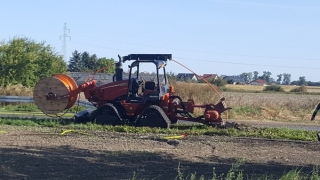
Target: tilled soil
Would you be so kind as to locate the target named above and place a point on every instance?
(41, 153)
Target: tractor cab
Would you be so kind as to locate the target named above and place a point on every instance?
(147, 77)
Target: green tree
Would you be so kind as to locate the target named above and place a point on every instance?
(173, 78)
(275, 88)
(266, 76)
(84, 62)
(218, 82)
(230, 81)
(246, 76)
(272, 81)
(286, 79)
(302, 81)
(255, 75)
(24, 61)
(300, 89)
(74, 62)
(106, 65)
(279, 78)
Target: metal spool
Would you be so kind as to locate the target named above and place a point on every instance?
(62, 86)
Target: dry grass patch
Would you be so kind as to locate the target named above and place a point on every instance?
(255, 106)
(313, 89)
(253, 88)
(199, 93)
(293, 107)
(239, 87)
(294, 102)
(15, 90)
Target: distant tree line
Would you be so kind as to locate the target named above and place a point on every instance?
(282, 79)
(218, 82)
(84, 62)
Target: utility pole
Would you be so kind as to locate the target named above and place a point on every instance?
(65, 35)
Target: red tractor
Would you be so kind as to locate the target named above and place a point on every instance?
(136, 101)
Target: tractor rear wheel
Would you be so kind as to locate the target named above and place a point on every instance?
(153, 116)
(107, 115)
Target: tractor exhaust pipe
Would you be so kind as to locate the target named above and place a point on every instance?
(119, 70)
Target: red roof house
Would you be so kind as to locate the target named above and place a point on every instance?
(209, 77)
(259, 82)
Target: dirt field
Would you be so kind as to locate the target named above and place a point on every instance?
(41, 153)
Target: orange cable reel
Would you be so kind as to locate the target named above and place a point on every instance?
(57, 93)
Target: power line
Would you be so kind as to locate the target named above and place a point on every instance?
(212, 61)
(247, 64)
(208, 42)
(64, 43)
(205, 52)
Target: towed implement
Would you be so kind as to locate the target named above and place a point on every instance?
(139, 100)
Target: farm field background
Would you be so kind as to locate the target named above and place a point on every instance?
(287, 88)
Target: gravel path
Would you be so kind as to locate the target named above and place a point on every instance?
(41, 153)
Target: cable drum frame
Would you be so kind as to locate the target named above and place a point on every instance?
(66, 85)
(62, 86)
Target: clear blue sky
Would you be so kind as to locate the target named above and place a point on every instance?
(208, 36)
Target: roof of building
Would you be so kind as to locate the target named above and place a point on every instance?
(260, 81)
(234, 78)
(209, 76)
(185, 75)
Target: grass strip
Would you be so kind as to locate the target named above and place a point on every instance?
(31, 113)
(177, 129)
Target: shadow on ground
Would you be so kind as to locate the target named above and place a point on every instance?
(68, 163)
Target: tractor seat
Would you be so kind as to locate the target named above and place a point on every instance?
(150, 85)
